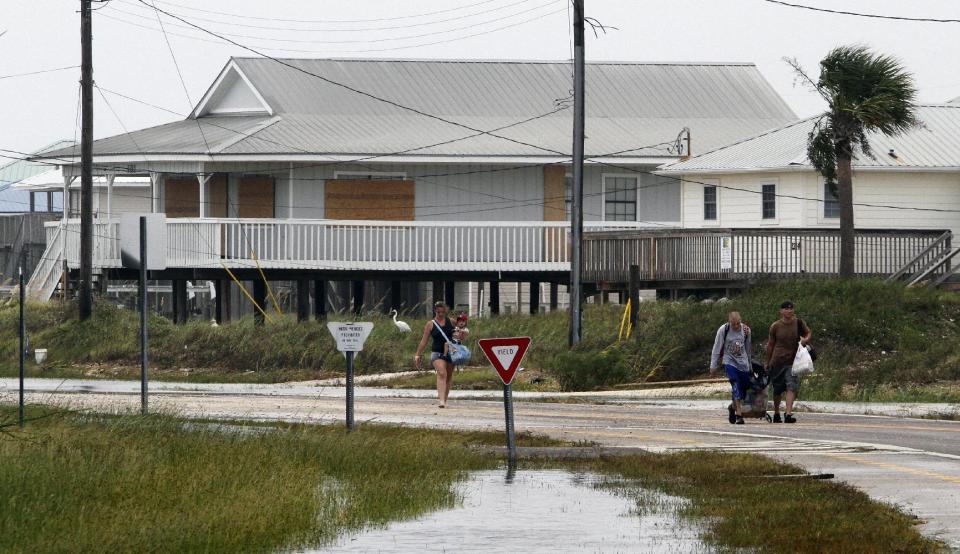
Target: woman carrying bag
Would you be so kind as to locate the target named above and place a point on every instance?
(439, 329)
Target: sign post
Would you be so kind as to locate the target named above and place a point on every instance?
(350, 338)
(505, 355)
(136, 254)
(23, 338)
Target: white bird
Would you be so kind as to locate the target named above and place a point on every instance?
(402, 325)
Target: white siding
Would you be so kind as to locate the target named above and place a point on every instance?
(739, 200)
(736, 208)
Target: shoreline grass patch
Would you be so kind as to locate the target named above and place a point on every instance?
(90, 483)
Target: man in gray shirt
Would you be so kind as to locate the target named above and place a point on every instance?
(732, 348)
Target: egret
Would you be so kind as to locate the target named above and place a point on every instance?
(402, 325)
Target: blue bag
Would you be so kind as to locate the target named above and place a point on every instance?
(459, 354)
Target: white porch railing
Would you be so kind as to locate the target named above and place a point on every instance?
(349, 245)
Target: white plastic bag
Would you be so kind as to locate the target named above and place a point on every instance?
(802, 362)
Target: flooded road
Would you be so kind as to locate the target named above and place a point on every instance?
(535, 511)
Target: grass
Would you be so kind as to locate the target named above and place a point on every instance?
(73, 482)
(877, 341)
(473, 379)
(755, 513)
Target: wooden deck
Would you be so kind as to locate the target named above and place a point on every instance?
(711, 258)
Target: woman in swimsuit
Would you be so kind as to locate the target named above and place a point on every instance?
(440, 361)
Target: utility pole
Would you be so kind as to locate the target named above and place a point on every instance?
(86, 161)
(576, 211)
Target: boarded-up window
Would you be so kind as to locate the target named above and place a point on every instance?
(255, 197)
(370, 199)
(218, 196)
(181, 197)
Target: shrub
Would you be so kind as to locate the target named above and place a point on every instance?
(582, 370)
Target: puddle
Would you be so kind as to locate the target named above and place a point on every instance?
(537, 511)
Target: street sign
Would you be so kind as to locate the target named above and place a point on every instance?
(130, 241)
(350, 336)
(505, 355)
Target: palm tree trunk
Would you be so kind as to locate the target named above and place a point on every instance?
(845, 196)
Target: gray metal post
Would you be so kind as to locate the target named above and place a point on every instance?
(23, 340)
(576, 215)
(143, 315)
(350, 356)
(508, 414)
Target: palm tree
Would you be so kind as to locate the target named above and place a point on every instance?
(865, 93)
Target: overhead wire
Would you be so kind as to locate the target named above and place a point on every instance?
(38, 72)
(860, 14)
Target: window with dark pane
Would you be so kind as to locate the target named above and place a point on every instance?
(769, 201)
(620, 199)
(710, 202)
(831, 204)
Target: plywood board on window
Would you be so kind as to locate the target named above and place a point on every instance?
(218, 196)
(554, 193)
(181, 197)
(256, 197)
(365, 199)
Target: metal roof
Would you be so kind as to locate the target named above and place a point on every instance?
(628, 105)
(935, 145)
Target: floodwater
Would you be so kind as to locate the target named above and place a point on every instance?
(538, 511)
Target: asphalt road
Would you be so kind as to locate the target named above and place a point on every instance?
(914, 463)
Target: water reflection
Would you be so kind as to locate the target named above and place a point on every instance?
(535, 511)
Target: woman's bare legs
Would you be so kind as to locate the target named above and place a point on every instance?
(450, 369)
(443, 382)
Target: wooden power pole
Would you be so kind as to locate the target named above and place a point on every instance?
(86, 161)
(576, 209)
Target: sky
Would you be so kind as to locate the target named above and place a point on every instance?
(132, 56)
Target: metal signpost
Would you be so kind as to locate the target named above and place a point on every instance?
(505, 355)
(134, 230)
(23, 340)
(350, 338)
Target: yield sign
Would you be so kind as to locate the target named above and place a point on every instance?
(505, 355)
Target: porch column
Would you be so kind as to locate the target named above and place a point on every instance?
(534, 297)
(260, 297)
(67, 181)
(319, 299)
(303, 300)
(358, 287)
(110, 178)
(494, 298)
(449, 294)
(155, 179)
(203, 179)
(554, 296)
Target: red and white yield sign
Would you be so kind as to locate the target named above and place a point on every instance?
(505, 355)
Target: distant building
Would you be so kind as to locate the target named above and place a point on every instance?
(424, 170)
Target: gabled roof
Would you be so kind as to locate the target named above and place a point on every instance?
(628, 105)
(933, 146)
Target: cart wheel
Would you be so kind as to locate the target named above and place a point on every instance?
(767, 417)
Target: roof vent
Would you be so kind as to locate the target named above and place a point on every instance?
(893, 154)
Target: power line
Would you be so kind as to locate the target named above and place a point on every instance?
(220, 21)
(868, 15)
(261, 47)
(395, 18)
(39, 72)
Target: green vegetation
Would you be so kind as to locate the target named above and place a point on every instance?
(760, 513)
(87, 483)
(876, 341)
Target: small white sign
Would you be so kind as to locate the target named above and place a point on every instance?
(156, 241)
(726, 253)
(350, 336)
